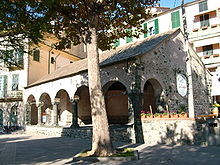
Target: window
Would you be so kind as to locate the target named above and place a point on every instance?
(36, 55)
(204, 20)
(208, 50)
(175, 19)
(117, 43)
(14, 56)
(203, 6)
(129, 39)
(150, 28)
(15, 82)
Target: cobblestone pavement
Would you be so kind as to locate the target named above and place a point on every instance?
(23, 149)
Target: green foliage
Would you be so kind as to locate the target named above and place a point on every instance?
(69, 20)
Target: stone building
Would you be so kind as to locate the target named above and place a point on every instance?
(203, 28)
(149, 74)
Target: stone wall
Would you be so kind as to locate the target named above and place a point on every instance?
(201, 85)
(13, 110)
(169, 131)
(155, 131)
(118, 133)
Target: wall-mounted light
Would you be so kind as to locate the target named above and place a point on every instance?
(76, 98)
(57, 100)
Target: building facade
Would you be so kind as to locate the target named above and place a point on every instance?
(32, 63)
(203, 28)
(143, 75)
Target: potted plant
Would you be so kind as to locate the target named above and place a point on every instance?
(183, 115)
(157, 115)
(182, 112)
(174, 114)
(142, 114)
(165, 115)
(149, 115)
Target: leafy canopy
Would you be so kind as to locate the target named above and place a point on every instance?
(69, 20)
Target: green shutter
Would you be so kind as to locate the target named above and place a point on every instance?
(203, 6)
(117, 43)
(175, 19)
(156, 26)
(15, 82)
(129, 39)
(1, 86)
(1, 118)
(36, 55)
(20, 56)
(5, 84)
(145, 29)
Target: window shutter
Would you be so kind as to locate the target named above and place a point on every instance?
(145, 29)
(15, 82)
(20, 56)
(36, 55)
(175, 19)
(1, 118)
(1, 86)
(203, 6)
(156, 26)
(5, 84)
(117, 43)
(129, 39)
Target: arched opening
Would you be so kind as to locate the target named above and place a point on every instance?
(152, 92)
(33, 110)
(116, 100)
(83, 105)
(64, 112)
(46, 108)
(1, 118)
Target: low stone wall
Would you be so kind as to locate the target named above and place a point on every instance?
(169, 131)
(41, 130)
(117, 132)
(155, 131)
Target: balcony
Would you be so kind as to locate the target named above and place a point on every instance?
(210, 31)
(211, 59)
(13, 95)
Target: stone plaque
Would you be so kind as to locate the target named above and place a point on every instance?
(181, 84)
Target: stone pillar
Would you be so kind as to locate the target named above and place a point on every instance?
(39, 106)
(74, 114)
(28, 114)
(55, 114)
(135, 101)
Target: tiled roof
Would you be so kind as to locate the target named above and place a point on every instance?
(119, 54)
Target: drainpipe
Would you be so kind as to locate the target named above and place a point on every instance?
(55, 61)
(49, 61)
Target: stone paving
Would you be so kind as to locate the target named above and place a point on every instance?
(24, 149)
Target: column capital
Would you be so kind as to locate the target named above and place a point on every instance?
(40, 104)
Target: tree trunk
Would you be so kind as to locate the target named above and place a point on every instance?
(101, 142)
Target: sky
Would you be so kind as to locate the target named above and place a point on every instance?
(172, 3)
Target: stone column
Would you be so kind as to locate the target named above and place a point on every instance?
(55, 114)
(134, 102)
(74, 114)
(39, 106)
(28, 114)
